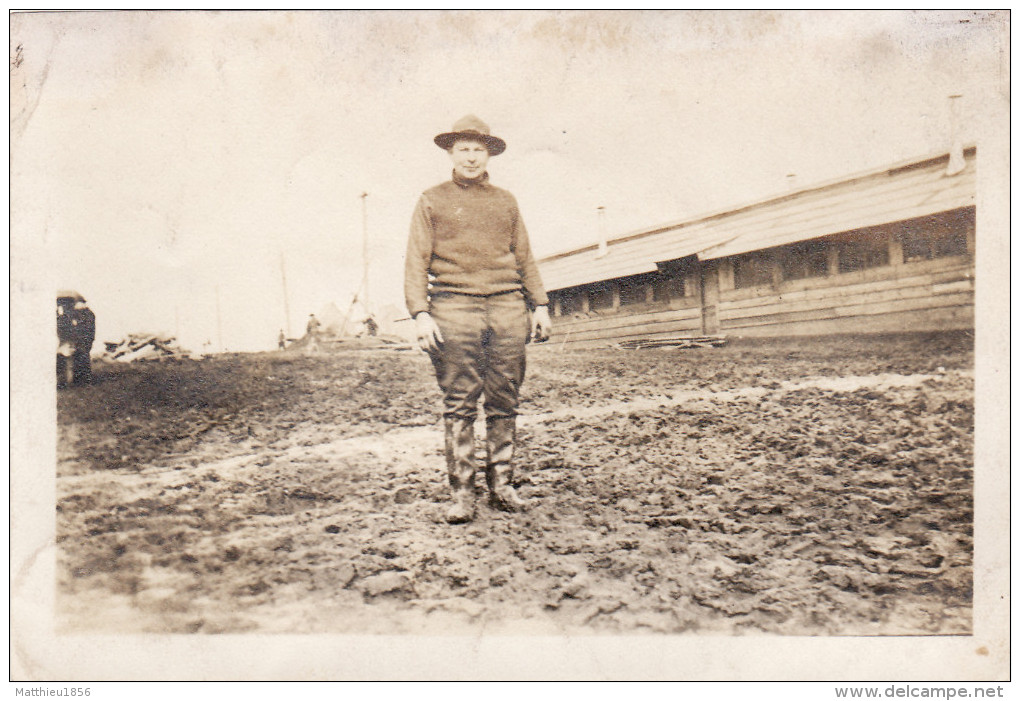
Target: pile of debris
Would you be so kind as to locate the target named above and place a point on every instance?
(144, 347)
(675, 342)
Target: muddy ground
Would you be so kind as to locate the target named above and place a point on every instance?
(812, 486)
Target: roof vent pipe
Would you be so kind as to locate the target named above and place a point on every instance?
(956, 160)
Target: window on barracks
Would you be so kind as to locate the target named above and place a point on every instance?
(570, 302)
(862, 250)
(752, 269)
(804, 260)
(937, 236)
(632, 293)
(668, 287)
(635, 290)
(600, 296)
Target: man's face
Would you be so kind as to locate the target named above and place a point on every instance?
(470, 159)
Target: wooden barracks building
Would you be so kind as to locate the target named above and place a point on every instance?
(887, 250)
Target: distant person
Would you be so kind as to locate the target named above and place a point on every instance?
(76, 333)
(84, 321)
(472, 317)
(312, 332)
(371, 327)
(282, 341)
(313, 325)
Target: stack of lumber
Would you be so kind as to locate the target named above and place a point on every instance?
(144, 347)
(370, 343)
(675, 342)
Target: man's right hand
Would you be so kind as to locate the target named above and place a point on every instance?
(429, 336)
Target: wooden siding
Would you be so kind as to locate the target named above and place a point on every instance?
(873, 199)
(925, 295)
(679, 317)
(936, 319)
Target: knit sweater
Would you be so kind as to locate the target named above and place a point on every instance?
(467, 237)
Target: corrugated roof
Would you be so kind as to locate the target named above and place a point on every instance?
(894, 193)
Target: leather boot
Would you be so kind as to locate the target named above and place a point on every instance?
(460, 465)
(500, 435)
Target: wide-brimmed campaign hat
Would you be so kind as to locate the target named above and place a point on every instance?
(471, 127)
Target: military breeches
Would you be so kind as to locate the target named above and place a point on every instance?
(483, 352)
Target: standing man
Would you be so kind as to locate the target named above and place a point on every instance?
(85, 324)
(371, 326)
(472, 316)
(312, 331)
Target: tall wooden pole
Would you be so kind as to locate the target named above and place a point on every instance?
(603, 237)
(286, 299)
(956, 160)
(364, 252)
(219, 324)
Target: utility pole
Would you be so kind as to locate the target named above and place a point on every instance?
(286, 300)
(364, 251)
(603, 240)
(219, 324)
(956, 159)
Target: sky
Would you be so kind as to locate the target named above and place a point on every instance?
(175, 167)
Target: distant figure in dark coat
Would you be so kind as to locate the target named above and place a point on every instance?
(76, 332)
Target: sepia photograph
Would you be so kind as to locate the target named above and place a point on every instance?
(508, 345)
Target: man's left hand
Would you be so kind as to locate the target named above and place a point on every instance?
(541, 325)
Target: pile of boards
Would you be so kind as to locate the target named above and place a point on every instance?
(675, 342)
(371, 343)
(144, 347)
